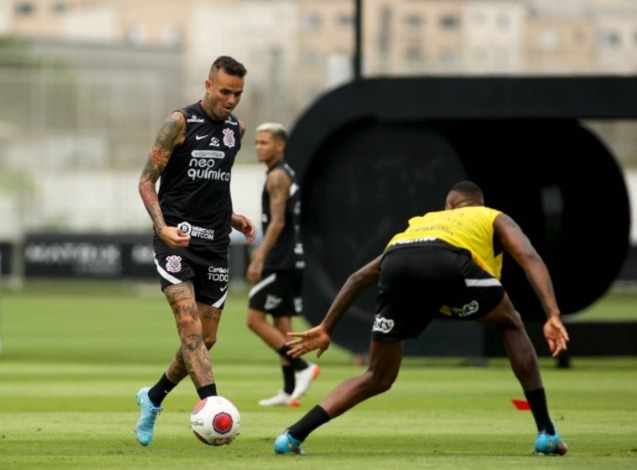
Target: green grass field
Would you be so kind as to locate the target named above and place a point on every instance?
(73, 357)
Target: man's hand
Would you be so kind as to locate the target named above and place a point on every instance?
(174, 237)
(309, 340)
(556, 335)
(254, 271)
(245, 226)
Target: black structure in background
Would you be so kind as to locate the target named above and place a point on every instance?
(375, 152)
(99, 256)
(88, 256)
(358, 39)
(7, 259)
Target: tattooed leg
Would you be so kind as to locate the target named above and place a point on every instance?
(192, 356)
(210, 317)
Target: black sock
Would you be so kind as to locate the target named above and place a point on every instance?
(298, 363)
(539, 408)
(308, 423)
(207, 391)
(289, 381)
(160, 390)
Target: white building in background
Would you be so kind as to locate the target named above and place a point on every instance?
(110, 70)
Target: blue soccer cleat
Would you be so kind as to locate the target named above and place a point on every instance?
(545, 444)
(147, 417)
(286, 444)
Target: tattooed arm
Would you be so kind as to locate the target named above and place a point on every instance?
(171, 134)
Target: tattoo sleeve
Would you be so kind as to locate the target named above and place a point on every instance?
(171, 134)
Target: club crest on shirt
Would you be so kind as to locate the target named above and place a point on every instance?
(173, 263)
(228, 138)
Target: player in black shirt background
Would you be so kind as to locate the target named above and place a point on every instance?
(277, 265)
(192, 216)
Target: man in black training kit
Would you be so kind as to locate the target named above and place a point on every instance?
(192, 217)
(446, 261)
(276, 268)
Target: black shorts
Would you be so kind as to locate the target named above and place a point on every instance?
(207, 270)
(419, 282)
(278, 293)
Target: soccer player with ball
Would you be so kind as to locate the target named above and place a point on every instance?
(446, 261)
(192, 217)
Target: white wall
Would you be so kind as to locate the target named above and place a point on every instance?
(103, 202)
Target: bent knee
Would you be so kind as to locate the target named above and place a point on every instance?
(503, 317)
(254, 320)
(379, 383)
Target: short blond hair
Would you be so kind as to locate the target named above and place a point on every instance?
(274, 128)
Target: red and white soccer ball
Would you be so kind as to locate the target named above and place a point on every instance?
(215, 421)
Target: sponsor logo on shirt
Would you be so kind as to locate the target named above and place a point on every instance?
(194, 118)
(202, 163)
(415, 240)
(196, 232)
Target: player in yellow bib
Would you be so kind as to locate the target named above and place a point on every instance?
(446, 261)
(466, 227)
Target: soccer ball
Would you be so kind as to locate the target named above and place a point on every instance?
(215, 421)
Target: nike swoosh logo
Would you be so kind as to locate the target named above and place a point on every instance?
(199, 137)
(223, 288)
